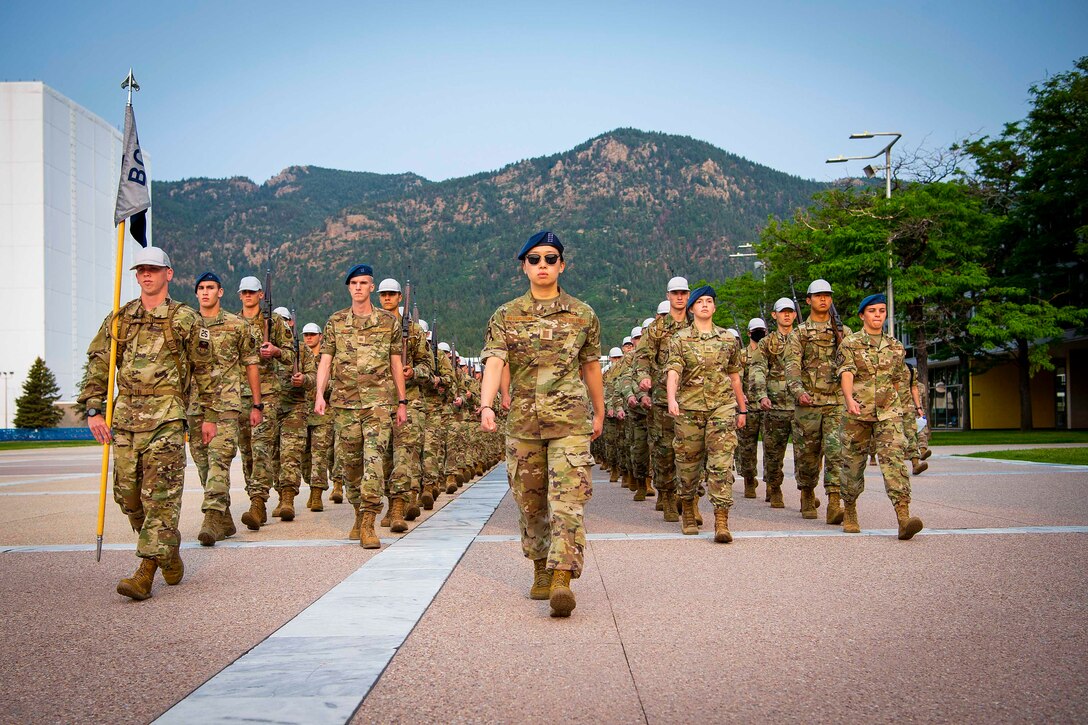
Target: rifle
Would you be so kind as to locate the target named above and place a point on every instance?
(294, 340)
(405, 320)
(434, 342)
(836, 324)
(268, 306)
(796, 304)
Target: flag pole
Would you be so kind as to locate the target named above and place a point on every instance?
(130, 85)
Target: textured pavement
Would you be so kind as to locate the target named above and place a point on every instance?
(965, 625)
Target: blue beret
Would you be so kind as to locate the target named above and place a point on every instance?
(358, 271)
(877, 299)
(544, 237)
(704, 291)
(207, 277)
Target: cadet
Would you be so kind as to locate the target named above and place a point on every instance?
(639, 405)
(260, 443)
(817, 422)
(612, 423)
(235, 347)
(872, 372)
(437, 464)
(551, 341)
(775, 399)
(296, 403)
(317, 454)
(912, 413)
(703, 391)
(649, 364)
(753, 378)
(160, 345)
(360, 354)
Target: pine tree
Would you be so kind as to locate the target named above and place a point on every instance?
(34, 408)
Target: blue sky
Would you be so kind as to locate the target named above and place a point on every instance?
(449, 89)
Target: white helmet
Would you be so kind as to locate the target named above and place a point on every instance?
(423, 324)
(636, 331)
(663, 308)
(677, 284)
(733, 331)
(818, 286)
(389, 285)
(756, 323)
(311, 328)
(647, 322)
(615, 352)
(444, 346)
(627, 340)
(783, 303)
(282, 312)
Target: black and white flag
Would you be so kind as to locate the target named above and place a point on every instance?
(133, 195)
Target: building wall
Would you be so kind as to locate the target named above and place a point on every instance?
(59, 165)
(995, 398)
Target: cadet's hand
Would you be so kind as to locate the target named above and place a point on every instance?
(435, 380)
(319, 404)
(632, 401)
(644, 385)
(268, 350)
(402, 415)
(805, 399)
(255, 417)
(598, 426)
(852, 406)
(674, 409)
(99, 429)
(297, 379)
(765, 404)
(208, 431)
(487, 420)
(506, 402)
(647, 403)
(409, 373)
(610, 413)
(621, 414)
(742, 418)
(458, 401)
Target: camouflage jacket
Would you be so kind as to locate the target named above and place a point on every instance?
(627, 384)
(162, 354)
(235, 346)
(313, 418)
(811, 363)
(879, 374)
(611, 399)
(440, 399)
(545, 343)
(754, 378)
(290, 394)
(419, 358)
(704, 361)
(271, 368)
(774, 349)
(362, 347)
(652, 351)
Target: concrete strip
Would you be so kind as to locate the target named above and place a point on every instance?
(318, 667)
(46, 479)
(1071, 467)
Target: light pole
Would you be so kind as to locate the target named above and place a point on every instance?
(758, 265)
(870, 171)
(5, 375)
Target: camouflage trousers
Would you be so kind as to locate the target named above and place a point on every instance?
(317, 455)
(887, 439)
(613, 444)
(662, 433)
(403, 460)
(361, 439)
(213, 460)
(148, 476)
(260, 447)
(704, 442)
(551, 483)
(916, 440)
(293, 417)
(776, 432)
(817, 438)
(746, 455)
(435, 442)
(636, 429)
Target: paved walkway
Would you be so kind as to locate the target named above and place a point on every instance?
(980, 617)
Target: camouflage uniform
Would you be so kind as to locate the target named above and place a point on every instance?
(158, 352)
(811, 361)
(404, 461)
(363, 393)
(438, 413)
(296, 404)
(779, 419)
(706, 431)
(235, 347)
(636, 423)
(877, 364)
(317, 454)
(260, 445)
(649, 362)
(754, 379)
(545, 343)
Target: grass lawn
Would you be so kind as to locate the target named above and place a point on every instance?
(1069, 456)
(985, 437)
(20, 445)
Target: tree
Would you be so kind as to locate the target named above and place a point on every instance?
(34, 408)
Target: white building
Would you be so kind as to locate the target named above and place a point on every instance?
(59, 166)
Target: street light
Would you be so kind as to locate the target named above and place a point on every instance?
(870, 172)
(5, 375)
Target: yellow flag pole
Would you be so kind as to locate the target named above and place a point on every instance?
(109, 387)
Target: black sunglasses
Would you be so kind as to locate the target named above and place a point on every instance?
(534, 259)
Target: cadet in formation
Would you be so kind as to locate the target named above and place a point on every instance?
(551, 343)
(753, 379)
(775, 400)
(297, 384)
(317, 453)
(162, 345)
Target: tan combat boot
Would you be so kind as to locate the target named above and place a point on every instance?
(354, 533)
(427, 499)
(451, 484)
(776, 497)
(255, 517)
(396, 516)
(315, 503)
(671, 515)
(278, 510)
(411, 510)
(173, 569)
(640, 489)
(850, 519)
(834, 508)
(908, 525)
(918, 466)
(613, 475)
(367, 538)
(138, 586)
(337, 495)
(209, 528)
(650, 490)
(926, 453)
(542, 580)
(226, 525)
(808, 504)
(560, 595)
(287, 506)
(688, 525)
(766, 492)
(388, 518)
(721, 525)
(695, 509)
(749, 487)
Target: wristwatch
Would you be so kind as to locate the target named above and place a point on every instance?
(92, 412)
(258, 406)
(403, 402)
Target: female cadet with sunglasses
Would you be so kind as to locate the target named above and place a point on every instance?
(551, 343)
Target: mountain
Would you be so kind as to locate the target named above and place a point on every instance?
(632, 207)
